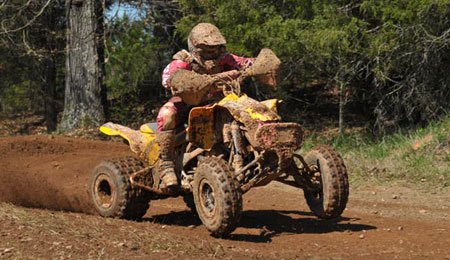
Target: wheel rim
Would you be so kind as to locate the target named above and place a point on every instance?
(104, 192)
(207, 199)
(317, 194)
(317, 180)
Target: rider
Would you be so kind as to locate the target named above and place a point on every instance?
(207, 55)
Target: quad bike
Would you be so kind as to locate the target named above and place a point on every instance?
(227, 148)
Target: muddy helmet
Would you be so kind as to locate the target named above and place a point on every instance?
(205, 34)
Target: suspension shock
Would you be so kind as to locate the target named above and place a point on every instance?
(238, 145)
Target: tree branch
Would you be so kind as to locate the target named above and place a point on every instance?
(29, 22)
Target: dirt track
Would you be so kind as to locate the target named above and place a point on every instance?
(46, 172)
(52, 173)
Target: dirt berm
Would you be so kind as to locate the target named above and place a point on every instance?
(51, 172)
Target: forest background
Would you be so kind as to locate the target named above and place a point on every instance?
(369, 76)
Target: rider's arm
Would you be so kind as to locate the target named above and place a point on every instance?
(171, 68)
(233, 64)
(269, 77)
(227, 75)
(231, 61)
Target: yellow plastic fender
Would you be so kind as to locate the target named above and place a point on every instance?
(142, 142)
(244, 109)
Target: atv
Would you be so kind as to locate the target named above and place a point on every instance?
(227, 148)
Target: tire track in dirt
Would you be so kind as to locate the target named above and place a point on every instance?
(277, 223)
(52, 173)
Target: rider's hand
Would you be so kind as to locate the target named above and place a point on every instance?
(227, 75)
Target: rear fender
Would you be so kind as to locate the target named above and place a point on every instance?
(142, 141)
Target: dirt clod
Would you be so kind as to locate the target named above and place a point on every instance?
(8, 250)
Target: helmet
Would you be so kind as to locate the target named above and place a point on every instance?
(205, 34)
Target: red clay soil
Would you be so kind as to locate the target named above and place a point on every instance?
(52, 173)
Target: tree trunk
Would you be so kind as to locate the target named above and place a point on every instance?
(51, 21)
(49, 90)
(83, 101)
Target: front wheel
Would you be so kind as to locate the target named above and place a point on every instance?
(330, 198)
(217, 198)
(112, 193)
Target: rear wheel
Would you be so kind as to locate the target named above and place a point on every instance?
(111, 191)
(217, 198)
(330, 199)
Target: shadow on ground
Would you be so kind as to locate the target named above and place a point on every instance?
(270, 223)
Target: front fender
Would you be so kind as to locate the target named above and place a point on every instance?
(248, 111)
(243, 109)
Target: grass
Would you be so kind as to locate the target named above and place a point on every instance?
(420, 157)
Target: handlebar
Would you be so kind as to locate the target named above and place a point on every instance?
(229, 82)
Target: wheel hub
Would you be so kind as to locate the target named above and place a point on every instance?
(207, 198)
(103, 191)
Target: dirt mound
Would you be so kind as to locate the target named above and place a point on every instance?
(53, 173)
